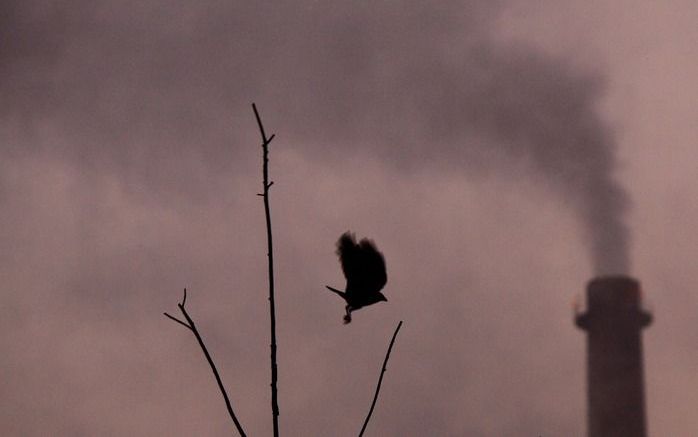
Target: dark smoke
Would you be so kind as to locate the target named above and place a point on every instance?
(131, 89)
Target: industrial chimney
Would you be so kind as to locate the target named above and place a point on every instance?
(613, 319)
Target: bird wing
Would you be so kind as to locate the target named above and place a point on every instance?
(373, 266)
(363, 265)
(347, 250)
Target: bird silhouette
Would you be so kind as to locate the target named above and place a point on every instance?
(364, 268)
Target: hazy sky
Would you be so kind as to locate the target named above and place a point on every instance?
(500, 154)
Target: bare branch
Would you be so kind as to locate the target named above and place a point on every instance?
(380, 380)
(177, 320)
(192, 327)
(268, 140)
(265, 140)
(270, 254)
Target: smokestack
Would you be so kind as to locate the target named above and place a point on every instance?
(613, 320)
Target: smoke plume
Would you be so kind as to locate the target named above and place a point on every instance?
(414, 85)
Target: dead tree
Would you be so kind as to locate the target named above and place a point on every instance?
(189, 323)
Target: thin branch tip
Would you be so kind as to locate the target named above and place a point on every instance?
(178, 321)
(380, 379)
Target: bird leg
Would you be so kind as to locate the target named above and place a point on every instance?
(347, 317)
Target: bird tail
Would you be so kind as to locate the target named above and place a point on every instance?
(340, 293)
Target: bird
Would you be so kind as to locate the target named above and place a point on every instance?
(364, 268)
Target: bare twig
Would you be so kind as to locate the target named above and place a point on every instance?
(177, 320)
(190, 324)
(266, 185)
(380, 380)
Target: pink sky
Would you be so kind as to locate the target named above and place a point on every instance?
(466, 138)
